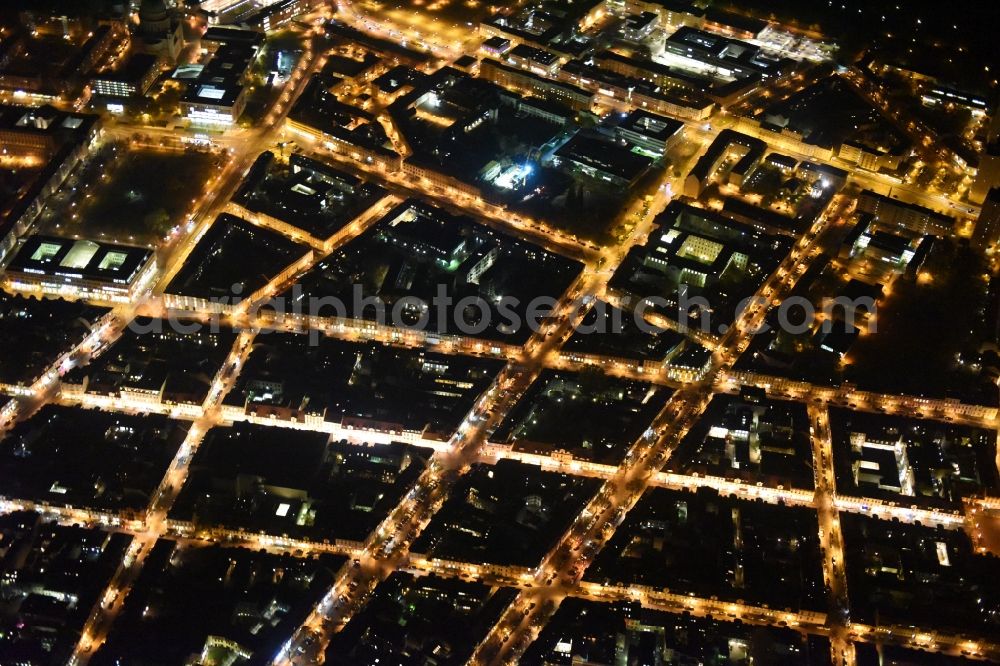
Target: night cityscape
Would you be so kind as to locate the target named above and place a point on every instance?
(469, 332)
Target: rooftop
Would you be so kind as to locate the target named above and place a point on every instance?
(651, 125)
(81, 259)
(896, 203)
(35, 332)
(223, 603)
(755, 149)
(47, 120)
(507, 513)
(244, 477)
(134, 70)
(531, 53)
(733, 20)
(604, 156)
(84, 458)
(229, 35)
(215, 267)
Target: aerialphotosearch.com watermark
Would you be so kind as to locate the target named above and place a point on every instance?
(473, 315)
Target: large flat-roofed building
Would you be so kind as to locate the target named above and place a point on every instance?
(496, 46)
(869, 157)
(538, 61)
(699, 247)
(784, 163)
(225, 35)
(233, 11)
(867, 242)
(214, 104)
(828, 177)
(650, 132)
(57, 138)
(572, 96)
(640, 26)
(987, 233)
(42, 131)
(892, 212)
(751, 151)
(938, 95)
(625, 92)
(133, 79)
(729, 57)
(351, 69)
(81, 269)
(537, 107)
(545, 25)
(280, 13)
(677, 80)
(889, 248)
(673, 78)
(217, 95)
(988, 174)
(695, 259)
(602, 159)
(733, 25)
(673, 13)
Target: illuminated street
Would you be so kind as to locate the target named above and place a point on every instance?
(686, 167)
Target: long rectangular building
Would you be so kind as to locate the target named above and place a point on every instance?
(602, 159)
(81, 269)
(572, 96)
(59, 138)
(218, 95)
(611, 89)
(677, 80)
(651, 132)
(731, 57)
(42, 131)
(753, 150)
(893, 212)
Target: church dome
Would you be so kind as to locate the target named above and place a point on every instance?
(152, 11)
